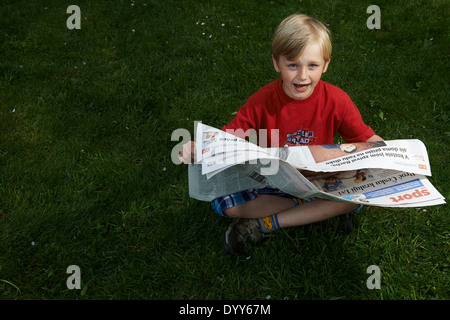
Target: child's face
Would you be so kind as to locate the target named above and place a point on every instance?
(301, 75)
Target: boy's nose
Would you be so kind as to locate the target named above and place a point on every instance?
(303, 74)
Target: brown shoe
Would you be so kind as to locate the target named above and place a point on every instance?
(239, 232)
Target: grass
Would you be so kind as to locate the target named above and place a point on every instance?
(86, 176)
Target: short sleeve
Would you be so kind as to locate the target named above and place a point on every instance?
(353, 128)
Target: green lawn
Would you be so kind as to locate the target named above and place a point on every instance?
(86, 176)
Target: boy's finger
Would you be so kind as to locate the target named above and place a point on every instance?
(185, 154)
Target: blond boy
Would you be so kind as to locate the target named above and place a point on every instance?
(304, 110)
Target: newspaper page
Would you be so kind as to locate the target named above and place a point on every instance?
(225, 182)
(404, 155)
(219, 150)
(386, 173)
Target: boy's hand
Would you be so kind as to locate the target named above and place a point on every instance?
(187, 153)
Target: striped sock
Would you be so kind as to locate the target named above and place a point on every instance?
(268, 224)
(299, 201)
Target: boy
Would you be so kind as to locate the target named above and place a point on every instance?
(299, 105)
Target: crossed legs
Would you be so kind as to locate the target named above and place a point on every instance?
(288, 214)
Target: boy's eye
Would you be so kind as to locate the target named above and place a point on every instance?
(292, 66)
(313, 65)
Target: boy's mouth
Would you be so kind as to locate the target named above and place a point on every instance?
(301, 87)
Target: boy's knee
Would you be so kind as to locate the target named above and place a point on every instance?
(233, 212)
(344, 208)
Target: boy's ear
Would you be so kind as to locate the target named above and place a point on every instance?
(275, 64)
(326, 65)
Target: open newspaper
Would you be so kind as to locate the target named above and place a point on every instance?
(384, 173)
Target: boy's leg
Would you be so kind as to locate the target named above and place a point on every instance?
(262, 206)
(313, 211)
(288, 214)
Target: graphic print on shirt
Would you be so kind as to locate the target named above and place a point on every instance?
(299, 138)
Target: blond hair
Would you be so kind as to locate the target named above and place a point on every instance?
(297, 31)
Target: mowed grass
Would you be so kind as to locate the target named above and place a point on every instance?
(86, 177)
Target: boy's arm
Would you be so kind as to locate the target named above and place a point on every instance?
(374, 138)
(307, 173)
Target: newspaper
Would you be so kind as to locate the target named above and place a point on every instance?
(384, 173)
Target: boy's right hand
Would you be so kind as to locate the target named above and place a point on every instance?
(187, 153)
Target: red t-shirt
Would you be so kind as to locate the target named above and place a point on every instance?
(314, 120)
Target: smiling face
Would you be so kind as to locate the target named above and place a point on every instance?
(301, 75)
